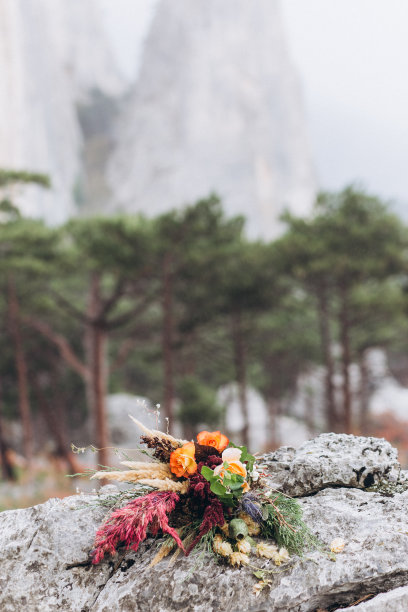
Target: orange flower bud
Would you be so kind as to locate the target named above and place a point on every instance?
(213, 438)
(182, 460)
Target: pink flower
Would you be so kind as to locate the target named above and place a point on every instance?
(128, 526)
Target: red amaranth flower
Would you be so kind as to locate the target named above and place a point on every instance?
(199, 487)
(213, 515)
(128, 526)
(212, 461)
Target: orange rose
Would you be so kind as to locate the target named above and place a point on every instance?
(182, 460)
(213, 438)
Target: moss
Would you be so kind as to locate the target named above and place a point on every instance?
(390, 488)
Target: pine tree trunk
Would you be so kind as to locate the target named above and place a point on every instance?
(91, 312)
(7, 471)
(345, 358)
(240, 372)
(99, 375)
(167, 341)
(325, 339)
(188, 364)
(55, 427)
(364, 395)
(21, 367)
(99, 389)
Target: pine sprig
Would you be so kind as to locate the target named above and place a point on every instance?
(112, 501)
(285, 524)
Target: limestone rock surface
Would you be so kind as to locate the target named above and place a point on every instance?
(44, 566)
(331, 460)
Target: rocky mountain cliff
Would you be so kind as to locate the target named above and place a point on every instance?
(44, 550)
(217, 107)
(54, 60)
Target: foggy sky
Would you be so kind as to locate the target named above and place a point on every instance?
(352, 58)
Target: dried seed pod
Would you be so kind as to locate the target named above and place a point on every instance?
(268, 551)
(225, 529)
(162, 448)
(238, 529)
(254, 528)
(244, 546)
(237, 559)
(222, 548)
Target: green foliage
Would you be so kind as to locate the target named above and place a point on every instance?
(365, 239)
(378, 316)
(285, 524)
(110, 244)
(351, 237)
(228, 489)
(27, 247)
(345, 258)
(8, 211)
(198, 403)
(111, 501)
(284, 345)
(11, 177)
(353, 249)
(246, 456)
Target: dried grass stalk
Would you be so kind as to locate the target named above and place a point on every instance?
(155, 433)
(186, 541)
(149, 470)
(166, 484)
(174, 557)
(141, 465)
(164, 550)
(121, 476)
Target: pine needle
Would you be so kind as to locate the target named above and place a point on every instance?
(286, 526)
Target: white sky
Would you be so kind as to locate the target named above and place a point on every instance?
(352, 58)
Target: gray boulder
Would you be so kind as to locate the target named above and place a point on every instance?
(44, 564)
(331, 460)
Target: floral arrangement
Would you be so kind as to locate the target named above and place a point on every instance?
(207, 493)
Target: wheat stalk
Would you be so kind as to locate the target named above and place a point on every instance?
(155, 433)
